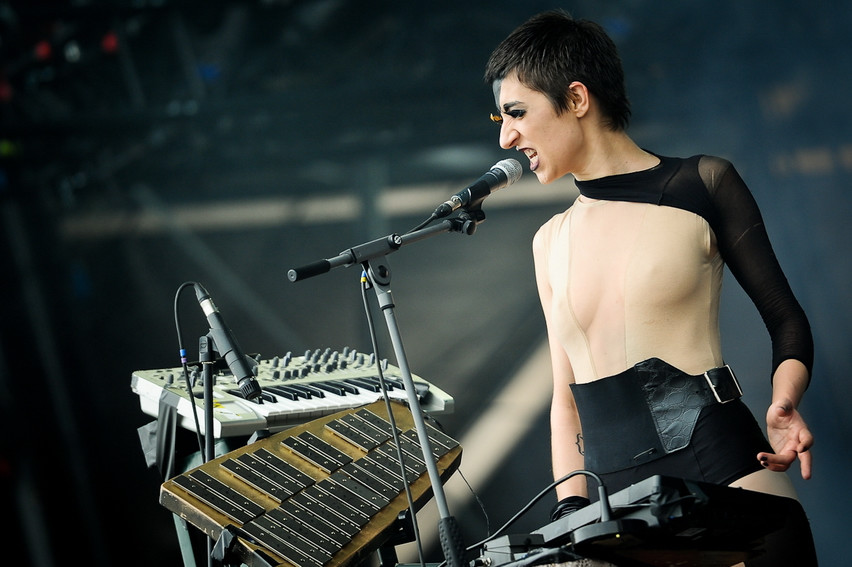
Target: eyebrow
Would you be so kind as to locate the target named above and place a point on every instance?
(508, 105)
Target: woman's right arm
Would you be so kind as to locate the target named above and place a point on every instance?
(566, 434)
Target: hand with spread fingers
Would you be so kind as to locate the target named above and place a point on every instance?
(790, 438)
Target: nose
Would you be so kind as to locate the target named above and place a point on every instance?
(508, 135)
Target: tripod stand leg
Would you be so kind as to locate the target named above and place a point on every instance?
(184, 541)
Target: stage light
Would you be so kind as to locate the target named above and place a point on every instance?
(73, 53)
(43, 50)
(109, 42)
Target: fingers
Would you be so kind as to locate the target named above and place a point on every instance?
(777, 462)
(780, 462)
(805, 463)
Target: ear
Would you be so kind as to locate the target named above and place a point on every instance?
(579, 99)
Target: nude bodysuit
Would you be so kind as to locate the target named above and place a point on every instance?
(635, 268)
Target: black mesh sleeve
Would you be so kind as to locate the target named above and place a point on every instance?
(746, 249)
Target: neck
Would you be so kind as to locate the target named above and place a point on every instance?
(614, 153)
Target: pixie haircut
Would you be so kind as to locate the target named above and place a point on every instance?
(551, 50)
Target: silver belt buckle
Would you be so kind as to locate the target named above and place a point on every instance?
(713, 387)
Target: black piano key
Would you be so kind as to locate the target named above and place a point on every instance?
(215, 500)
(365, 428)
(320, 511)
(350, 498)
(283, 392)
(331, 387)
(364, 384)
(364, 491)
(282, 467)
(387, 487)
(308, 519)
(310, 389)
(352, 435)
(300, 542)
(257, 480)
(264, 396)
(305, 530)
(290, 553)
(390, 383)
(348, 388)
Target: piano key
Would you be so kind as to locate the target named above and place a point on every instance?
(359, 383)
(332, 388)
(283, 392)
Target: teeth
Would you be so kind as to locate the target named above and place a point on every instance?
(530, 153)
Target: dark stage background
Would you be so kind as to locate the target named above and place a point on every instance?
(144, 143)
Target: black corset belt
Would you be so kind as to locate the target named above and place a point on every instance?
(646, 412)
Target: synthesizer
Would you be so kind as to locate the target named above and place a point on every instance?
(657, 522)
(295, 390)
(321, 494)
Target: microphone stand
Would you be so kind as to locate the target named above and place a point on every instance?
(207, 357)
(372, 256)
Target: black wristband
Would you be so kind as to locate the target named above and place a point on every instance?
(567, 506)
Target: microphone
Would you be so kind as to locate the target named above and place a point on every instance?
(227, 345)
(504, 173)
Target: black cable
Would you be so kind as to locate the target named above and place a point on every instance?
(538, 497)
(365, 283)
(423, 224)
(473, 493)
(183, 362)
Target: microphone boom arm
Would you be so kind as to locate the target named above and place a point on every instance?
(380, 247)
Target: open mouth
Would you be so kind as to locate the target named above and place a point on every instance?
(532, 155)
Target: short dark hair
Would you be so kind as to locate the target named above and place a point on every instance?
(551, 50)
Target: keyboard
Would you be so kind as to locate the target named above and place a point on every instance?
(294, 390)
